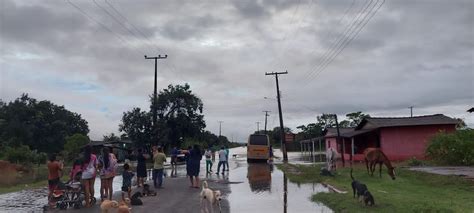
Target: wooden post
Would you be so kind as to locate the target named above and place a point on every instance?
(320, 151)
(312, 151)
(352, 150)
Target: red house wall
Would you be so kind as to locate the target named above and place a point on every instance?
(402, 143)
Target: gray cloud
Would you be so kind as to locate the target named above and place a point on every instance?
(411, 53)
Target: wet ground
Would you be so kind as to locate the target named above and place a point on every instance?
(256, 187)
(464, 171)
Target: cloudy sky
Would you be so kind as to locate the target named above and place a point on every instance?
(341, 56)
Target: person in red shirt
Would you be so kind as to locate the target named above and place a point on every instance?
(54, 173)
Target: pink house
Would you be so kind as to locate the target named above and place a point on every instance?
(399, 138)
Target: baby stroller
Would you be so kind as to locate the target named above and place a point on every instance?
(70, 194)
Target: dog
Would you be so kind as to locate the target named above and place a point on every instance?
(234, 155)
(361, 190)
(325, 172)
(124, 206)
(107, 205)
(210, 198)
(147, 191)
(135, 200)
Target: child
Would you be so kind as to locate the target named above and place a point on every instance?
(126, 181)
(76, 169)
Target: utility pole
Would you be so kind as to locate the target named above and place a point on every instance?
(266, 115)
(258, 126)
(282, 128)
(339, 139)
(220, 127)
(154, 90)
(411, 111)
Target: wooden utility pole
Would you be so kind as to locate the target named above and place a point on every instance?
(282, 128)
(155, 93)
(411, 111)
(266, 115)
(220, 127)
(338, 139)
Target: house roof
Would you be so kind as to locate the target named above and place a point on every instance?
(332, 132)
(375, 122)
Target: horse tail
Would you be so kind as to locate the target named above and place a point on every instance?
(351, 175)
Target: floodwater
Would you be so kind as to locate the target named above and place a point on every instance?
(265, 188)
(255, 187)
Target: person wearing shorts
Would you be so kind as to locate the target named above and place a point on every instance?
(54, 173)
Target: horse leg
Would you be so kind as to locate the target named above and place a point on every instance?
(380, 170)
(367, 165)
(370, 168)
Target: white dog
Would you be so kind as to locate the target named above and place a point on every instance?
(209, 198)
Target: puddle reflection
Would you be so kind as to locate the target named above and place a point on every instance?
(259, 177)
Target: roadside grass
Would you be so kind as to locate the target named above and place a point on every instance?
(36, 179)
(412, 191)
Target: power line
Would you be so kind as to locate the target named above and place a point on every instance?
(323, 57)
(349, 39)
(171, 66)
(341, 37)
(84, 13)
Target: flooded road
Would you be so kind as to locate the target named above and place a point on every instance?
(255, 187)
(266, 189)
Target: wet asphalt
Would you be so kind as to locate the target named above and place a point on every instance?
(255, 187)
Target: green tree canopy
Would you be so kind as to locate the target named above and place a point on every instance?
(74, 144)
(40, 125)
(179, 116)
(311, 130)
(137, 126)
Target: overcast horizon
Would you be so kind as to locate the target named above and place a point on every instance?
(89, 57)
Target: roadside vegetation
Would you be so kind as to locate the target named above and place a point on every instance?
(455, 148)
(412, 191)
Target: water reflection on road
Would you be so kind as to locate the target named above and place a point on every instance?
(268, 190)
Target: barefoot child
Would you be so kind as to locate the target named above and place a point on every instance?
(127, 181)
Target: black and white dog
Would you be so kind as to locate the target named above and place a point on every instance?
(361, 190)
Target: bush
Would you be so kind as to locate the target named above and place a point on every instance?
(453, 149)
(23, 155)
(73, 146)
(415, 162)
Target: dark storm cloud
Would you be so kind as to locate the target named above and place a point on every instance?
(411, 53)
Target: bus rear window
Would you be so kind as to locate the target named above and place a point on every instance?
(258, 140)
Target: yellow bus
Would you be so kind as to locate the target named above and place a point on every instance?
(258, 146)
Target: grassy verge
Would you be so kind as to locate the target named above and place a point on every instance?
(38, 177)
(411, 192)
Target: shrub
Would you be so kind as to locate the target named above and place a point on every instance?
(454, 148)
(23, 155)
(73, 146)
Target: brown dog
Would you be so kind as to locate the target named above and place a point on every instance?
(124, 206)
(107, 205)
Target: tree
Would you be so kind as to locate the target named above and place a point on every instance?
(276, 135)
(345, 124)
(137, 126)
(326, 120)
(179, 114)
(74, 144)
(111, 137)
(311, 130)
(356, 117)
(40, 125)
(461, 124)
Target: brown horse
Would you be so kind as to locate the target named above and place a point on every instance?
(374, 156)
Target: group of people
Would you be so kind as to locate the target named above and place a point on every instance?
(86, 168)
(223, 160)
